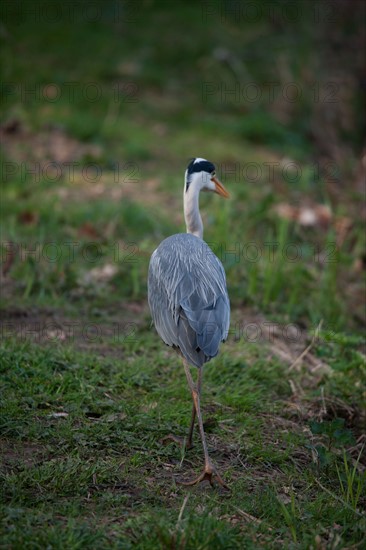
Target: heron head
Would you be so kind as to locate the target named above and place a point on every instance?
(201, 173)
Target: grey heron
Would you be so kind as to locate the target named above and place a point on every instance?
(188, 297)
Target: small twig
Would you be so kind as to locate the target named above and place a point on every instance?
(247, 516)
(109, 396)
(182, 510)
(339, 499)
(294, 389)
(306, 350)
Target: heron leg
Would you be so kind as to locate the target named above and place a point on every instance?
(209, 471)
(182, 442)
(191, 428)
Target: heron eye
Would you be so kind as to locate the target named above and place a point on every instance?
(213, 174)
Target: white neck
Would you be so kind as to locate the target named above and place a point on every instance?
(191, 211)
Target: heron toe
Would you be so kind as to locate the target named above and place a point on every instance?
(209, 473)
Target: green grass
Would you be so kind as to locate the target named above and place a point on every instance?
(351, 483)
(97, 474)
(88, 389)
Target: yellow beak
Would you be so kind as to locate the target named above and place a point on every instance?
(220, 189)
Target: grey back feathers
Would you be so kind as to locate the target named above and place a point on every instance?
(188, 298)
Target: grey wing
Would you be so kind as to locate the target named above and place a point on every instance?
(208, 318)
(189, 302)
(172, 324)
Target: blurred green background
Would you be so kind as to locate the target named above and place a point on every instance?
(103, 104)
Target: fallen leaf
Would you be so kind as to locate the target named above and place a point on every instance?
(100, 274)
(56, 335)
(28, 218)
(307, 216)
(88, 230)
(342, 226)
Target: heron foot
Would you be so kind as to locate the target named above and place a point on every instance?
(210, 473)
(182, 442)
